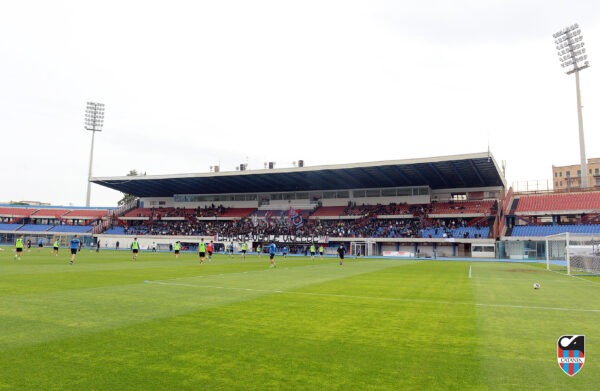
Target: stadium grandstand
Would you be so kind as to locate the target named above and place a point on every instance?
(450, 206)
(432, 207)
(51, 223)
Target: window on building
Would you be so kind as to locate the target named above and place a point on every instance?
(373, 193)
(388, 192)
(405, 192)
(560, 174)
(578, 172)
(568, 174)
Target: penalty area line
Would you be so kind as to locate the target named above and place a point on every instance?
(596, 283)
(391, 299)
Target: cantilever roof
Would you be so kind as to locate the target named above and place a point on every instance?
(445, 172)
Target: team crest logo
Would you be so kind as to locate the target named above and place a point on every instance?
(570, 353)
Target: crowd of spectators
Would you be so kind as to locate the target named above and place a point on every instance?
(364, 224)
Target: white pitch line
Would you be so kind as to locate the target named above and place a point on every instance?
(380, 298)
(294, 268)
(597, 283)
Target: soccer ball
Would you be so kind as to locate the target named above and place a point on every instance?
(536, 286)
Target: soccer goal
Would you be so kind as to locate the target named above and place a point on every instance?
(579, 253)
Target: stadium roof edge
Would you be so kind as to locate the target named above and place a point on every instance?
(454, 171)
(294, 169)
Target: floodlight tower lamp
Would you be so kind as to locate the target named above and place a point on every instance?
(573, 57)
(94, 120)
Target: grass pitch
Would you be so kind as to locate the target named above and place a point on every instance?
(108, 323)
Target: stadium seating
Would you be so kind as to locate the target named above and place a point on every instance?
(71, 228)
(16, 211)
(589, 201)
(86, 214)
(117, 230)
(9, 227)
(461, 232)
(28, 219)
(237, 212)
(483, 207)
(392, 221)
(35, 227)
(140, 212)
(545, 230)
(329, 211)
(47, 213)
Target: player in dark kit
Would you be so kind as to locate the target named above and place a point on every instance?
(75, 244)
(272, 251)
(341, 251)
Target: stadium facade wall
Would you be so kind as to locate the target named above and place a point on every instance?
(283, 204)
(443, 195)
(440, 195)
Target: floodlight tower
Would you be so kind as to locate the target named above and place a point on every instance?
(571, 54)
(94, 119)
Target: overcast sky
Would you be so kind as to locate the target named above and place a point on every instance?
(192, 84)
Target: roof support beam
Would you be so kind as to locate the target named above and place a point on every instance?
(438, 173)
(477, 173)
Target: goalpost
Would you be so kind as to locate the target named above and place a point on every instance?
(580, 253)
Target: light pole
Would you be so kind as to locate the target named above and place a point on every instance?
(571, 54)
(94, 119)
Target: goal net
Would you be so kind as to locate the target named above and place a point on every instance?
(573, 253)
